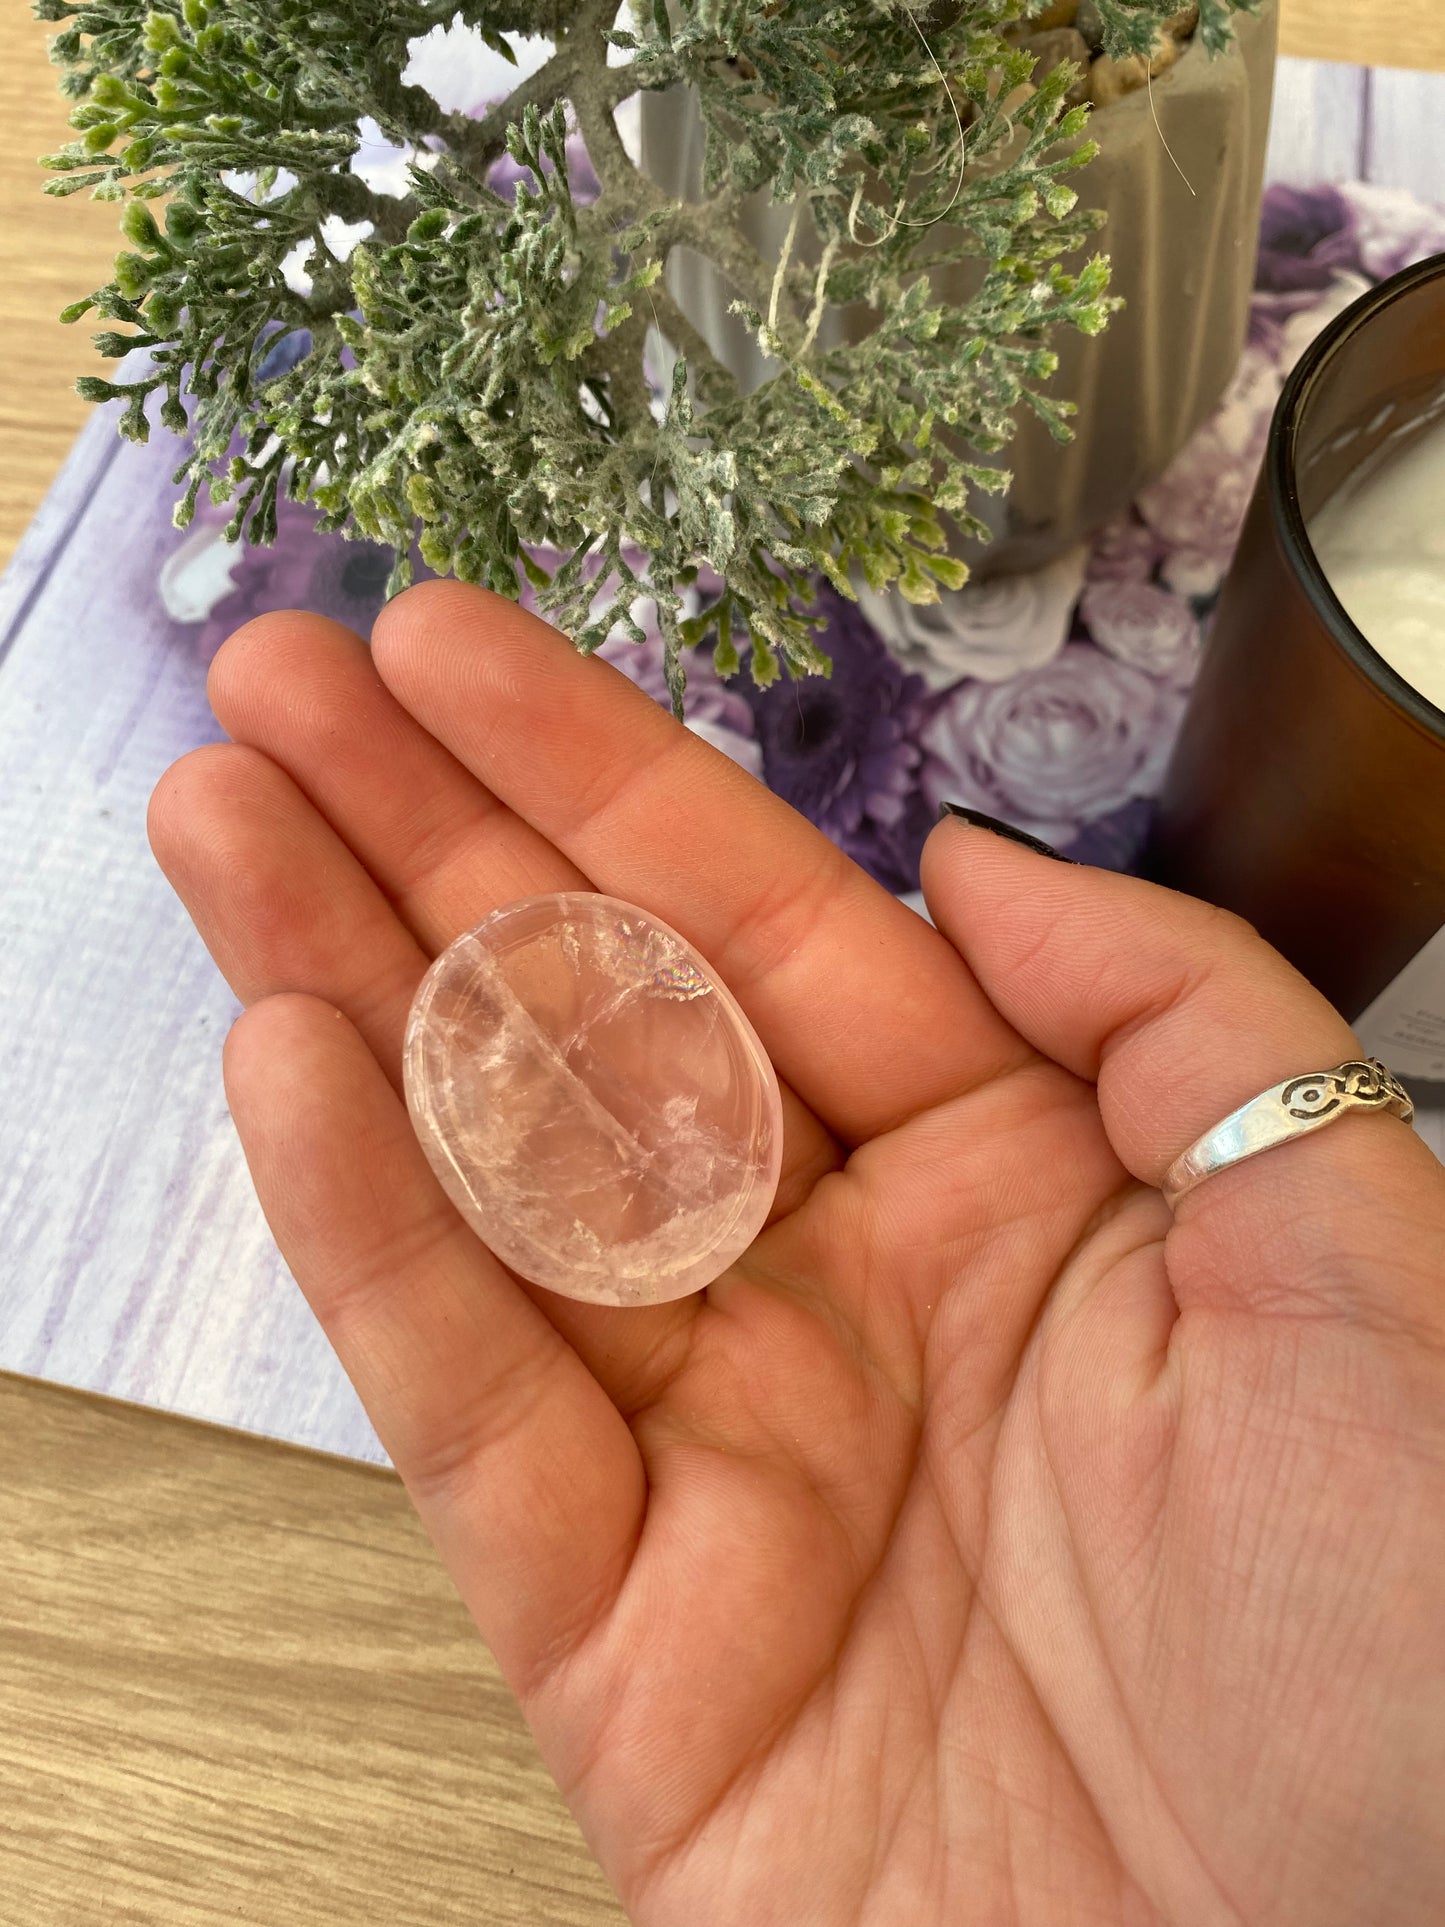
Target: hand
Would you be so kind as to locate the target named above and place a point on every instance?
(984, 1547)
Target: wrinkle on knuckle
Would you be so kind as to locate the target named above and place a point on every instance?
(261, 901)
(1180, 987)
(610, 791)
(443, 1467)
(768, 931)
(438, 850)
(409, 1248)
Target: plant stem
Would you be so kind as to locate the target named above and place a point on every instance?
(632, 195)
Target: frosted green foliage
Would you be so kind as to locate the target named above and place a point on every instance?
(1130, 25)
(494, 395)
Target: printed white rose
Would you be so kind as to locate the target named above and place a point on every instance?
(990, 630)
(1241, 422)
(1300, 329)
(1393, 228)
(198, 573)
(1057, 747)
(1148, 627)
(1198, 505)
(1124, 550)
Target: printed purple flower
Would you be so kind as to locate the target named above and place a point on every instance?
(846, 751)
(1116, 841)
(1306, 236)
(1125, 550)
(1057, 747)
(1146, 626)
(1198, 505)
(1308, 239)
(1395, 230)
(302, 570)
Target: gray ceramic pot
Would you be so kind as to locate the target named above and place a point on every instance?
(1182, 239)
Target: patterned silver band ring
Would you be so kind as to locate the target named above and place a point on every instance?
(1290, 1110)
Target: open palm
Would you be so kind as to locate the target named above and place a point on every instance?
(984, 1546)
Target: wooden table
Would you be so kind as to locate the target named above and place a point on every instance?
(235, 1684)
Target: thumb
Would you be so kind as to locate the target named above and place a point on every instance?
(1179, 1013)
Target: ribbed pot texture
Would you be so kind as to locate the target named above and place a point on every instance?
(1179, 175)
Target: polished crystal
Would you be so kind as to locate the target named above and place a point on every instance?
(593, 1100)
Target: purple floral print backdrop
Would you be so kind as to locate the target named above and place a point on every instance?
(1049, 700)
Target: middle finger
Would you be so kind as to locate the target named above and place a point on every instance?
(441, 847)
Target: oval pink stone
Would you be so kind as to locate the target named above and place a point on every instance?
(593, 1100)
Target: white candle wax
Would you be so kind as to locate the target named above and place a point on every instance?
(1381, 542)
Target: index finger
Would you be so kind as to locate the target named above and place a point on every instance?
(868, 1013)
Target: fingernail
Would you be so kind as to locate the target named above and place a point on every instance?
(1006, 830)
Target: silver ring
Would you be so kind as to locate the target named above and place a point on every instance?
(1289, 1110)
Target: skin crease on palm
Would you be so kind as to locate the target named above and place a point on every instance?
(985, 1546)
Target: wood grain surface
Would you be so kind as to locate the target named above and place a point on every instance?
(1368, 33)
(49, 251)
(237, 1686)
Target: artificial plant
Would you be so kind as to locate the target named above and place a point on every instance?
(472, 378)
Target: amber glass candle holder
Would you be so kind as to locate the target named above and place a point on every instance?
(1307, 790)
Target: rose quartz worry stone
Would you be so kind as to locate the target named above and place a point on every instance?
(593, 1100)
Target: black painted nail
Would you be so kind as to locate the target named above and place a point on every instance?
(1007, 830)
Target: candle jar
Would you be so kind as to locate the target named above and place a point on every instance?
(1307, 788)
